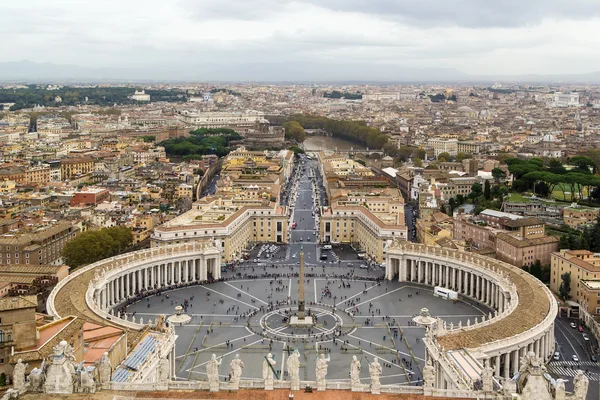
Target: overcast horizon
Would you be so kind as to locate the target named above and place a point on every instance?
(314, 39)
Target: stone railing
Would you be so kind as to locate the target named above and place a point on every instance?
(121, 262)
(458, 376)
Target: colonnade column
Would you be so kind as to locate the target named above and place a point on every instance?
(507, 365)
(515, 362)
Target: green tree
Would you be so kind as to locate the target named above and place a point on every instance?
(444, 156)
(564, 290)
(486, 190)
(418, 162)
(419, 153)
(498, 175)
(295, 131)
(536, 269)
(297, 150)
(463, 156)
(92, 246)
(476, 190)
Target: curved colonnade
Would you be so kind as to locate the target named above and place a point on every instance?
(92, 292)
(523, 318)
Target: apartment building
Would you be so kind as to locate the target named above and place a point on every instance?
(17, 327)
(364, 210)
(232, 226)
(514, 239)
(584, 267)
(575, 215)
(74, 167)
(433, 228)
(89, 196)
(443, 145)
(41, 244)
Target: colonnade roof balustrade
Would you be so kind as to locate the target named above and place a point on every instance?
(533, 304)
(69, 295)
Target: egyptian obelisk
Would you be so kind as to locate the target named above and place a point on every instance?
(300, 314)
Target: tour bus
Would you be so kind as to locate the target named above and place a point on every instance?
(445, 294)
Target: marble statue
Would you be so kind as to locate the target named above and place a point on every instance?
(10, 394)
(429, 375)
(293, 368)
(355, 373)
(36, 378)
(321, 371)
(160, 325)
(235, 371)
(487, 375)
(580, 385)
(60, 373)
(375, 371)
(212, 371)
(164, 370)
(559, 390)
(267, 373)
(19, 375)
(86, 383)
(104, 369)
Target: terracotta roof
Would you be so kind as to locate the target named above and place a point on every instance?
(18, 302)
(520, 242)
(579, 262)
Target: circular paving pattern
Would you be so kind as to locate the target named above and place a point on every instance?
(250, 316)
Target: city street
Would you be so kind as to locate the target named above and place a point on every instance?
(569, 343)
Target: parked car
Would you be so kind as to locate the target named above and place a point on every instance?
(556, 356)
(580, 328)
(585, 337)
(573, 325)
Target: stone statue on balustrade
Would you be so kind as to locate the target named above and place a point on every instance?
(164, 369)
(268, 371)
(19, 375)
(212, 371)
(293, 368)
(84, 381)
(321, 371)
(36, 378)
(235, 371)
(104, 369)
(487, 376)
(160, 325)
(429, 375)
(10, 394)
(355, 374)
(375, 371)
(61, 372)
(580, 386)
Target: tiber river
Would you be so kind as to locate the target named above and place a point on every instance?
(316, 143)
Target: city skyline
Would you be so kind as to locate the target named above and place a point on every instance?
(318, 40)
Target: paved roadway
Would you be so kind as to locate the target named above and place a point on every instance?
(569, 342)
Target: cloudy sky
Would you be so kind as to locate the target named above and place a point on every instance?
(356, 37)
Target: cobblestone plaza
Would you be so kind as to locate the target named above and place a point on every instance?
(372, 318)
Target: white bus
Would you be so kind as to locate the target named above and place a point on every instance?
(445, 294)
